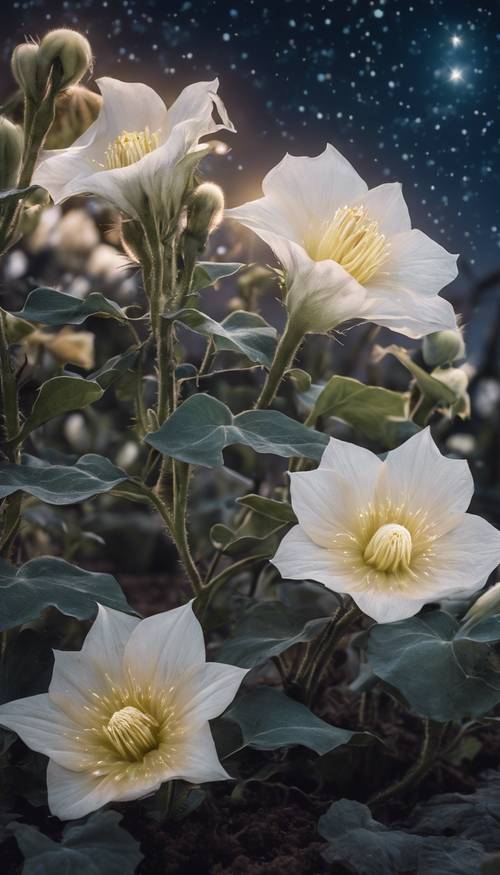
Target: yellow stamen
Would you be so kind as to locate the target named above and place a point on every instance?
(129, 147)
(132, 733)
(389, 549)
(354, 241)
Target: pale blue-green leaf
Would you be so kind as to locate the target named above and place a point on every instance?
(207, 273)
(61, 484)
(57, 396)
(57, 308)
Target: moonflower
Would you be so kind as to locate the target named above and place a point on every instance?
(127, 712)
(393, 535)
(137, 155)
(349, 252)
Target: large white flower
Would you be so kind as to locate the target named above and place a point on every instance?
(394, 535)
(127, 712)
(137, 155)
(349, 252)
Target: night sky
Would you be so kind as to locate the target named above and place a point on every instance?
(406, 92)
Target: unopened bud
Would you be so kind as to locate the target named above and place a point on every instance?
(67, 49)
(485, 606)
(457, 380)
(204, 212)
(76, 109)
(443, 347)
(24, 63)
(11, 152)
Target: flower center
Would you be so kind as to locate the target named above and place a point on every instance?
(354, 241)
(389, 549)
(129, 147)
(132, 733)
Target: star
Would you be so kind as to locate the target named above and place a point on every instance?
(456, 75)
(456, 41)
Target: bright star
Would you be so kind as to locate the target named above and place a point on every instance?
(456, 41)
(456, 75)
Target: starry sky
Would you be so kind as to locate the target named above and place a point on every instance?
(407, 92)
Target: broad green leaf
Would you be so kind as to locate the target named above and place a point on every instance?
(434, 390)
(16, 329)
(258, 534)
(95, 847)
(363, 846)
(268, 720)
(202, 427)
(57, 396)
(366, 408)
(246, 333)
(57, 308)
(51, 582)
(266, 630)
(60, 484)
(207, 273)
(441, 673)
(280, 511)
(115, 368)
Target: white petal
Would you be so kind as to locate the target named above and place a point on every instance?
(358, 467)
(198, 761)
(417, 264)
(324, 504)
(386, 205)
(464, 557)
(46, 729)
(269, 219)
(314, 187)
(162, 648)
(197, 101)
(406, 312)
(75, 794)
(419, 477)
(386, 607)
(77, 674)
(209, 690)
(299, 558)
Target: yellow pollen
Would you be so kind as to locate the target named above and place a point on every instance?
(355, 242)
(129, 147)
(389, 549)
(132, 733)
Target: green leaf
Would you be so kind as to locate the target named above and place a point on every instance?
(15, 194)
(280, 511)
(57, 396)
(434, 390)
(266, 630)
(51, 582)
(115, 368)
(56, 308)
(207, 273)
(366, 847)
(441, 673)
(99, 845)
(245, 333)
(268, 720)
(258, 534)
(61, 484)
(366, 408)
(202, 427)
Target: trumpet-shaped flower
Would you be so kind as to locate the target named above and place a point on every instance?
(137, 155)
(394, 535)
(349, 252)
(127, 712)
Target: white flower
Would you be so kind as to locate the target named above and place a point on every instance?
(349, 252)
(127, 712)
(394, 535)
(137, 155)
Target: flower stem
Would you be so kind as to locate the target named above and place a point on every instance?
(318, 654)
(283, 357)
(429, 752)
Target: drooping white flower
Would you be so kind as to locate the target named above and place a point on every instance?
(349, 252)
(127, 712)
(394, 535)
(137, 155)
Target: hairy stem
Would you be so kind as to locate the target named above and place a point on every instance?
(429, 753)
(319, 652)
(283, 358)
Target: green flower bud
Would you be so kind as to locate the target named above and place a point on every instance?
(457, 380)
(485, 606)
(24, 63)
(67, 49)
(443, 347)
(76, 109)
(11, 153)
(204, 212)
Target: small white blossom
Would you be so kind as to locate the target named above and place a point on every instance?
(127, 712)
(394, 535)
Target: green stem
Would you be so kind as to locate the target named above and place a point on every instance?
(283, 358)
(422, 411)
(180, 524)
(319, 652)
(429, 753)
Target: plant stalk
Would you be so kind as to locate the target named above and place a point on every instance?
(283, 358)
